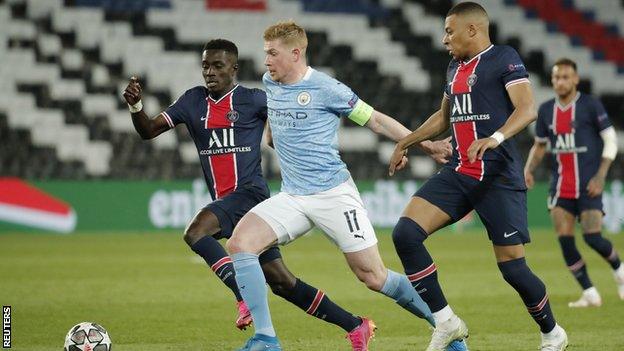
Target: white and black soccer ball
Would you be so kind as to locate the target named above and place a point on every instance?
(87, 336)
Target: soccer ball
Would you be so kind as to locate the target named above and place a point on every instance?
(87, 336)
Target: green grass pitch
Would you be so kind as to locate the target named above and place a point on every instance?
(151, 294)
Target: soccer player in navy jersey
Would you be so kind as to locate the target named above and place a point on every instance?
(583, 145)
(487, 100)
(226, 122)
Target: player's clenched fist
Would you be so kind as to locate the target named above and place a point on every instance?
(132, 93)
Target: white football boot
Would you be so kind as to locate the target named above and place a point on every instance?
(556, 340)
(444, 333)
(618, 274)
(589, 298)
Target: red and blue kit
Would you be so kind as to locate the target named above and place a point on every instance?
(494, 187)
(227, 133)
(480, 105)
(573, 132)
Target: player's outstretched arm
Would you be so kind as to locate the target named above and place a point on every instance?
(535, 158)
(147, 128)
(435, 125)
(523, 114)
(383, 124)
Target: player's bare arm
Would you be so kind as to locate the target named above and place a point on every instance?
(597, 182)
(524, 113)
(538, 150)
(269, 135)
(147, 127)
(381, 123)
(435, 125)
(609, 151)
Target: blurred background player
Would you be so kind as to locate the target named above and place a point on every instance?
(487, 100)
(583, 146)
(226, 122)
(304, 109)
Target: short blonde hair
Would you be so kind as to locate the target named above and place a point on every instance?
(289, 32)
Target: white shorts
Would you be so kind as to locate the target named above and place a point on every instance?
(339, 212)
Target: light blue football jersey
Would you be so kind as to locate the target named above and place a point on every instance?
(304, 119)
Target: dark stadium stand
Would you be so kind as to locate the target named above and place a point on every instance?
(80, 52)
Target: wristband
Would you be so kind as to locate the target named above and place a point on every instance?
(136, 107)
(498, 136)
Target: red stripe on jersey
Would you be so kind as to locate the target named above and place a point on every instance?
(466, 132)
(460, 81)
(568, 182)
(223, 167)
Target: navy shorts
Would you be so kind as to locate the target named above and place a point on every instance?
(502, 211)
(576, 206)
(232, 207)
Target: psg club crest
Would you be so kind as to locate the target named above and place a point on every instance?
(472, 80)
(303, 98)
(232, 116)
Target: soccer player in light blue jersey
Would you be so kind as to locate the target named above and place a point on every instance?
(304, 110)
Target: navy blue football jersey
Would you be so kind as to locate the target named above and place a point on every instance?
(480, 105)
(227, 133)
(573, 132)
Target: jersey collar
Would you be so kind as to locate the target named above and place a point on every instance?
(224, 95)
(563, 108)
(477, 55)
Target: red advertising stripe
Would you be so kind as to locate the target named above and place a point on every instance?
(16, 192)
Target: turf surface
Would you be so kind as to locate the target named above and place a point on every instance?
(152, 294)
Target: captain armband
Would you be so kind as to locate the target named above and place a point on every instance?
(609, 150)
(361, 113)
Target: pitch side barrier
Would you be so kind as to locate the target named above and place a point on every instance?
(92, 206)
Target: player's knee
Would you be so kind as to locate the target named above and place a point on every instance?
(235, 245)
(372, 279)
(407, 234)
(597, 242)
(192, 234)
(282, 286)
(515, 272)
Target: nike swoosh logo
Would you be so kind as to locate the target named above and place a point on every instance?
(202, 119)
(510, 234)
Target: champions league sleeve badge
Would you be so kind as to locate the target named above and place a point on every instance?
(232, 116)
